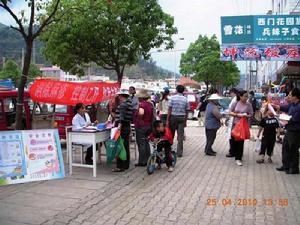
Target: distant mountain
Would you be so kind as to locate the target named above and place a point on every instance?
(11, 45)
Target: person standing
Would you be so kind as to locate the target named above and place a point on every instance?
(269, 126)
(241, 109)
(144, 117)
(134, 99)
(233, 92)
(177, 116)
(212, 123)
(252, 100)
(202, 107)
(123, 118)
(163, 106)
(291, 140)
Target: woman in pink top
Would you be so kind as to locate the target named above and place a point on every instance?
(241, 109)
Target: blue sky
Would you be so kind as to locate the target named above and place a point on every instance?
(192, 18)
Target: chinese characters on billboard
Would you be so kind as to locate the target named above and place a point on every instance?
(70, 93)
(275, 29)
(260, 52)
(267, 37)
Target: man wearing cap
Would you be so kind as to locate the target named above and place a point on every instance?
(177, 116)
(212, 123)
(123, 119)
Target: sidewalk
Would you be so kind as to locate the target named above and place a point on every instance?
(201, 190)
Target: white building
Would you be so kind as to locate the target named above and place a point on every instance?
(54, 72)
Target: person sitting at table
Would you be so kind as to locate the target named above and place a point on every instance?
(80, 121)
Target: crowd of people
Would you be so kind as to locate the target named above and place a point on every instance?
(243, 105)
(150, 118)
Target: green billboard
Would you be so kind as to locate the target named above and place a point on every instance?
(267, 29)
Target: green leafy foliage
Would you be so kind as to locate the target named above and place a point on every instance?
(202, 61)
(11, 71)
(30, 28)
(111, 34)
(33, 72)
(11, 43)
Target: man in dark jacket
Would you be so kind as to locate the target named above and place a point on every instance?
(291, 141)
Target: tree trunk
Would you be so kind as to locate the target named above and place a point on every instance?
(25, 70)
(120, 77)
(206, 83)
(119, 74)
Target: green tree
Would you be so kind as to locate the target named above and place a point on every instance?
(11, 71)
(30, 28)
(34, 71)
(111, 34)
(202, 61)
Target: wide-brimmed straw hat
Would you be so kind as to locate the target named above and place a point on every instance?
(214, 97)
(123, 92)
(142, 93)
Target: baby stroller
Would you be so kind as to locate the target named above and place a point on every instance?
(157, 158)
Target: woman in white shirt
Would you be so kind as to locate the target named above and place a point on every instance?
(163, 107)
(80, 121)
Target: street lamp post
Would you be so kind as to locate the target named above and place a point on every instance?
(175, 62)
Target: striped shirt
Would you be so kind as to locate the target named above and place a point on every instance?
(124, 111)
(179, 105)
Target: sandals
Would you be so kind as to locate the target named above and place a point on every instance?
(260, 161)
(117, 170)
(270, 160)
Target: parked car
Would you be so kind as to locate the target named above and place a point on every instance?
(8, 106)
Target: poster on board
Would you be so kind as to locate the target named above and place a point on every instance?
(12, 158)
(31, 155)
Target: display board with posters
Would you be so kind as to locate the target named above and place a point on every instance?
(31, 155)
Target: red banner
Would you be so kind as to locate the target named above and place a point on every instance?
(71, 93)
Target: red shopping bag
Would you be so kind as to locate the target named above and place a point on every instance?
(241, 130)
(169, 135)
(117, 135)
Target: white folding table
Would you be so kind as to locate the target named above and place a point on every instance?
(86, 137)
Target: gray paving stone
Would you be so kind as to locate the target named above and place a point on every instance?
(179, 198)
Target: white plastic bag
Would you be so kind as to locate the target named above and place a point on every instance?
(229, 127)
(196, 113)
(257, 145)
(113, 132)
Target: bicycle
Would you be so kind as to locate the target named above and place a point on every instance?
(156, 159)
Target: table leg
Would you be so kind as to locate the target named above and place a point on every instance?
(94, 160)
(70, 153)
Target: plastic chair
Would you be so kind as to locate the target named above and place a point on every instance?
(76, 146)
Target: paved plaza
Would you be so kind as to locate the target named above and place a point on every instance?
(201, 190)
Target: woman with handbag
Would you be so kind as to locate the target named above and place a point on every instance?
(242, 109)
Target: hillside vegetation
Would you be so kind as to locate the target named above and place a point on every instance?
(11, 44)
